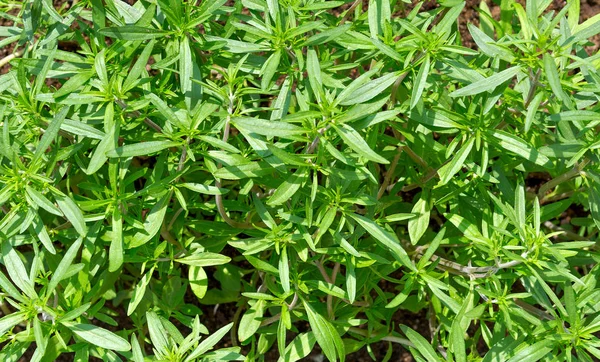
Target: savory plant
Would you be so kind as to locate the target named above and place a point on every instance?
(313, 168)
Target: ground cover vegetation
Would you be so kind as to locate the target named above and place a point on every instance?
(317, 168)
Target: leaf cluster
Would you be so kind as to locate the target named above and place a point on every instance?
(318, 168)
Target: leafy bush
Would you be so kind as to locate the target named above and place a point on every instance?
(316, 168)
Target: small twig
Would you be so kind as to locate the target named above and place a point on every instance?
(168, 237)
(568, 233)
(147, 120)
(394, 339)
(389, 174)
(416, 158)
(470, 271)
(174, 218)
(533, 310)
(277, 316)
(176, 256)
(233, 332)
(336, 268)
(561, 196)
(7, 59)
(432, 173)
(574, 172)
(533, 87)
(350, 10)
(389, 338)
(183, 157)
(292, 305)
(313, 145)
(319, 265)
(219, 198)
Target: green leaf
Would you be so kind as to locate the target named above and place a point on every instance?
(139, 67)
(353, 139)
(326, 35)
(575, 116)
(10, 289)
(514, 144)
(532, 110)
(387, 240)
(268, 128)
(198, 281)
(430, 117)
(11, 320)
(251, 320)
(420, 82)
(41, 201)
(81, 129)
(284, 270)
(313, 68)
(326, 335)
(64, 265)
(41, 339)
(139, 291)
(115, 253)
(72, 212)
(50, 133)
(419, 224)
(379, 14)
(403, 295)
(188, 72)
(204, 259)
(99, 336)
(421, 344)
(370, 91)
(447, 171)
(595, 204)
(16, 270)
(142, 149)
(554, 80)
(204, 189)
(166, 111)
(584, 31)
(299, 348)
(534, 352)
(137, 355)
(288, 188)
(158, 334)
(269, 69)
(488, 46)
(209, 342)
(488, 84)
(153, 222)
(133, 32)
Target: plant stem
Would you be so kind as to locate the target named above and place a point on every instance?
(219, 198)
(574, 172)
(147, 120)
(389, 174)
(7, 59)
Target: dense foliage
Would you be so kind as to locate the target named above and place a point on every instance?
(317, 167)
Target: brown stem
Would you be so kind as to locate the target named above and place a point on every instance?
(389, 174)
(7, 59)
(350, 10)
(470, 271)
(147, 120)
(574, 172)
(336, 268)
(568, 233)
(533, 87)
(319, 265)
(219, 198)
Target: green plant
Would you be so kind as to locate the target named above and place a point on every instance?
(316, 166)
